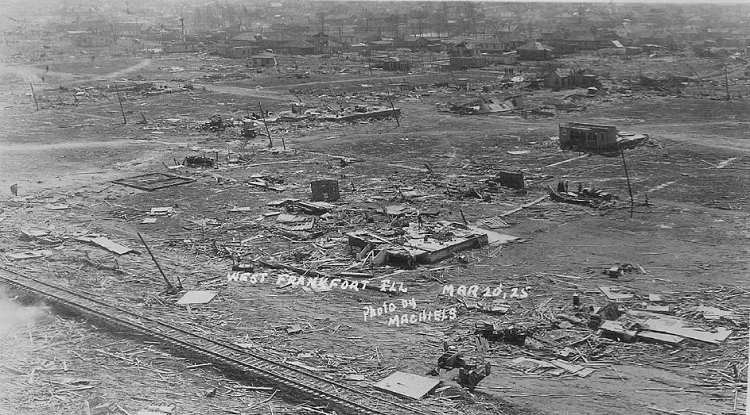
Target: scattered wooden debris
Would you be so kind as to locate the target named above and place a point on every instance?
(524, 206)
(157, 410)
(426, 244)
(29, 254)
(153, 181)
(679, 327)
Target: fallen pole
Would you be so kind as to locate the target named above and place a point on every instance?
(565, 161)
(170, 287)
(532, 203)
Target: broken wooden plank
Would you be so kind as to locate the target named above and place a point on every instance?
(654, 337)
(407, 384)
(613, 294)
(197, 297)
(431, 252)
(287, 218)
(297, 227)
(568, 160)
(265, 185)
(713, 313)
(294, 329)
(107, 244)
(57, 206)
(153, 181)
(29, 254)
(662, 309)
(679, 327)
(315, 208)
(111, 246)
(614, 328)
(161, 211)
(571, 368)
(585, 372)
(654, 297)
(493, 223)
(494, 238)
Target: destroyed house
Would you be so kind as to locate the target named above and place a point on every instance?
(262, 60)
(182, 47)
(562, 79)
(237, 52)
(395, 64)
(588, 137)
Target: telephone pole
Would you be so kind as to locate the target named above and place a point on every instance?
(122, 111)
(627, 176)
(726, 83)
(33, 95)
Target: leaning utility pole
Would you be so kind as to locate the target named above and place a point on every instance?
(369, 60)
(627, 176)
(270, 142)
(398, 123)
(34, 96)
(726, 83)
(122, 111)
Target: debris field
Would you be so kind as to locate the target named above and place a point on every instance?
(423, 243)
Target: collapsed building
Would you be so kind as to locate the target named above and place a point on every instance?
(562, 79)
(596, 138)
(489, 105)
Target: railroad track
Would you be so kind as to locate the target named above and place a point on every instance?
(290, 379)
